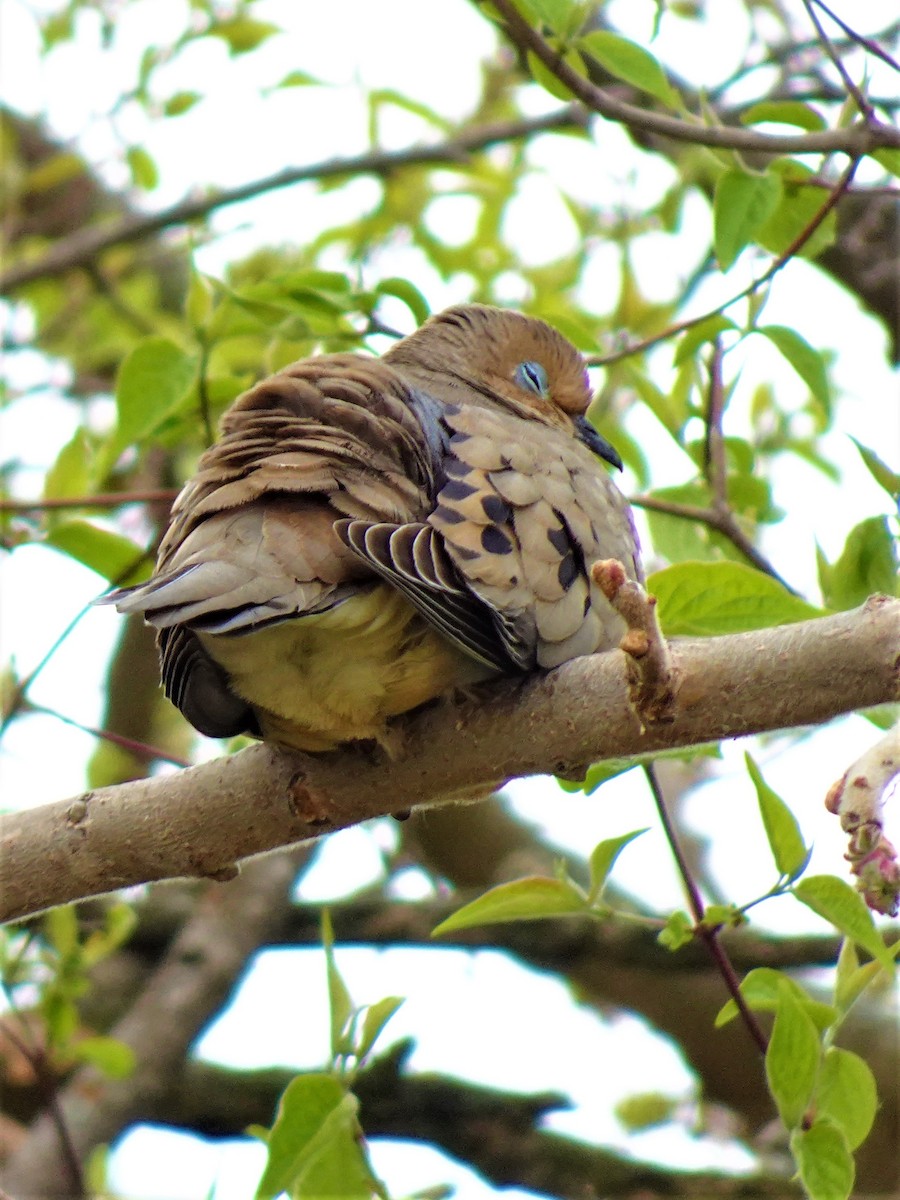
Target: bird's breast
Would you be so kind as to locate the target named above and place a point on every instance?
(319, 680)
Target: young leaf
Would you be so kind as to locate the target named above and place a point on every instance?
(880, 472)
(114, 1058)
(522, 900)
(838, 903)
(154, 380)
(707, 599)
(824, 1161)
(403, 290)
(377, 1016)
(679, 930)
(792, 1059)
(867, 564)
(340, 1005)
(763, 987)
(603, 859)
(315, 1117)
(109, 554)
(784, 112)
(846, 1093)
(782, 830)
(143, 168)
(630, 62)
(806, 361)
(742, 204)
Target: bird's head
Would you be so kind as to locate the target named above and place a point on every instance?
(473, 353)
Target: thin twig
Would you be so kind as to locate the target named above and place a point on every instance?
(865, 108)
(695, 902)
(81, 248)
(141, 750)
(715, 466)
(104, 500)
(605, 360)
(854, 141)
(868, 44)
(723, 522)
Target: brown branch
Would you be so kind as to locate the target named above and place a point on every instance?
(204, 820)
(99, 500)
(855, 141)
(723, 522)
(81, 248)
(191, 983)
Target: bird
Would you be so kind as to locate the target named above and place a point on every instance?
(369, 534)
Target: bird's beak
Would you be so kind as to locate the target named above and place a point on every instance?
(586, 433)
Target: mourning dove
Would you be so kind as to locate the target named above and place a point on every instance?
(369, 534)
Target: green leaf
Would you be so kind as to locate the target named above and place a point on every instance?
(71, 474)
(180, 103)
(377, 1016)
(838, 903)
(630, 62)
(708, 599)
(800, 204)
(522, 900)
(701, 333)
(784, 112)
(608, 768)
(298, 79)
(646, 1110)
(314, 1148)
(603, 858)
(114, 1058)
(867, 564)
(742, 204)
(678, 931)
(109, 554)
(792, 1059)
(546, 78)
(847, 1094)
(880, 472)
(154, 381)
(144, 172)
(852, 979)
(807, 362)
(824, 1161)
(242, 34)
(762, 989)
(555, 14)
(785, 839)
(403, 290)
(340, 1004)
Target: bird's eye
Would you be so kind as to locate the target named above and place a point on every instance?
(533, 378)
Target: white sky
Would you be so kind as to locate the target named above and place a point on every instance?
(457, 1005)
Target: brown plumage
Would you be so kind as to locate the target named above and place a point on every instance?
(368, 534)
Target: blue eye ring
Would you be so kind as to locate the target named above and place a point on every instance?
(533, 378)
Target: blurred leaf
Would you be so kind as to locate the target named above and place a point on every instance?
(807, 362)
(403, 290)
(629, 62)
(144, 172)
(867, 564)
(698, 335)
(838, 903)
(785, 839)
(71, 474)
(889, 158)
(340, 1004)
(799, 205)
(603, 859)
(242, 34)
(708, 599)
(792, 1059)
(784, 112)
(109, 554)
(154, 381)
(880, 472)
(846, 1094)
(114, 1058)
(314, 1147)
(297, 79)
(180, 103)
(824, 1161)
(377, 1016)
(522, 900)
(742, 204)
(608, 768)
(646, 1110)
(548, 80)
(678, 931)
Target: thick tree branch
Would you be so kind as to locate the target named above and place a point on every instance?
(80, 249)
(204, 820)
